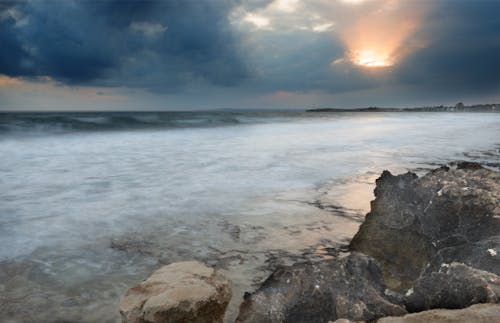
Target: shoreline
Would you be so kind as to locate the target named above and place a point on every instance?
(392, 266)
(458, 108)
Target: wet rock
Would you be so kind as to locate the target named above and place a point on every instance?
(480, 313)
(468, 165)
(436, 239)
(351, 288)
(455, 285)
(483, 254)
(181, 292)
(414, 223)
(132, 244)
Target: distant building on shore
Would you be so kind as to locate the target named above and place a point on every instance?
(459, 107)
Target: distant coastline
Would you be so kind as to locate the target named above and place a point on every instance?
(459, 107)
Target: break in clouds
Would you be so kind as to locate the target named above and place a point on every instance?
(255, 47)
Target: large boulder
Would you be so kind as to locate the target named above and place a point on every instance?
(351, 288)
(184, 292)
(479, 313)
(447, 215)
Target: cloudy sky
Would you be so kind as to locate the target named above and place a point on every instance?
(265, 54)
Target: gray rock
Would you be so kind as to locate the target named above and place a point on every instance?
(436, 238)
(351, 288)
(184, 292)
(415, 223)
(483, 254)
(455, 285)
(480, 313)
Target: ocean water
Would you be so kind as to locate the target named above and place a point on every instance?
(91, 203)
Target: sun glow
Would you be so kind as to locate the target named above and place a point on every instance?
(382, 35)
(258, 21)
(377, 43)
(370, 58)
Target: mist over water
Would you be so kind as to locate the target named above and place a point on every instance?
(91, 203)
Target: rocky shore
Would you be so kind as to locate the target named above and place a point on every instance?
(459, 107)
(428, 246)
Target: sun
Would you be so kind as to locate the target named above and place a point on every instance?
(383, 33)
(371, 58)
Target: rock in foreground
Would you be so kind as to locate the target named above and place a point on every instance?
(455, 285)
(417, 224)
(479, 313)
(435, 239)
(185, 292)
(351, 288)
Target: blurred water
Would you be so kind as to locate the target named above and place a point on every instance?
(238, 186)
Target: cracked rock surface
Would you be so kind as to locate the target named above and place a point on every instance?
(448, 215)
(351, 287)
(428, 242)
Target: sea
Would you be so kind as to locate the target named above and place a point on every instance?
(92, 203)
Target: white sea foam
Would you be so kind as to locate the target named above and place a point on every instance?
(65, 189)
(239, 187)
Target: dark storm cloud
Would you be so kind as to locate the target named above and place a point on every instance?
(12, 56)
(460, 55)
(462, 52)
(152, 44)
(165, 46)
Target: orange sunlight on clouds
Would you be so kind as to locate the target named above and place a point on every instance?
(380, 37)
(6, 80)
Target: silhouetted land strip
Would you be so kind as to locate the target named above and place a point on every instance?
(459, 107)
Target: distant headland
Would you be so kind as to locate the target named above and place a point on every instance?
(459, 107)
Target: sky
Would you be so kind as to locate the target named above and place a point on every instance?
(247, 54)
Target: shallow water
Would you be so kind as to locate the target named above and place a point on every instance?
(91, 206)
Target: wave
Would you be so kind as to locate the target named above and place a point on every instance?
(39, 123)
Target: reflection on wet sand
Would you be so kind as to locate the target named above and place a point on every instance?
(245, 252)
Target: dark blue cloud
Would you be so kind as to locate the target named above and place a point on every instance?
(165, 46)
(94, 42)
(13, 57)
(462, 53)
